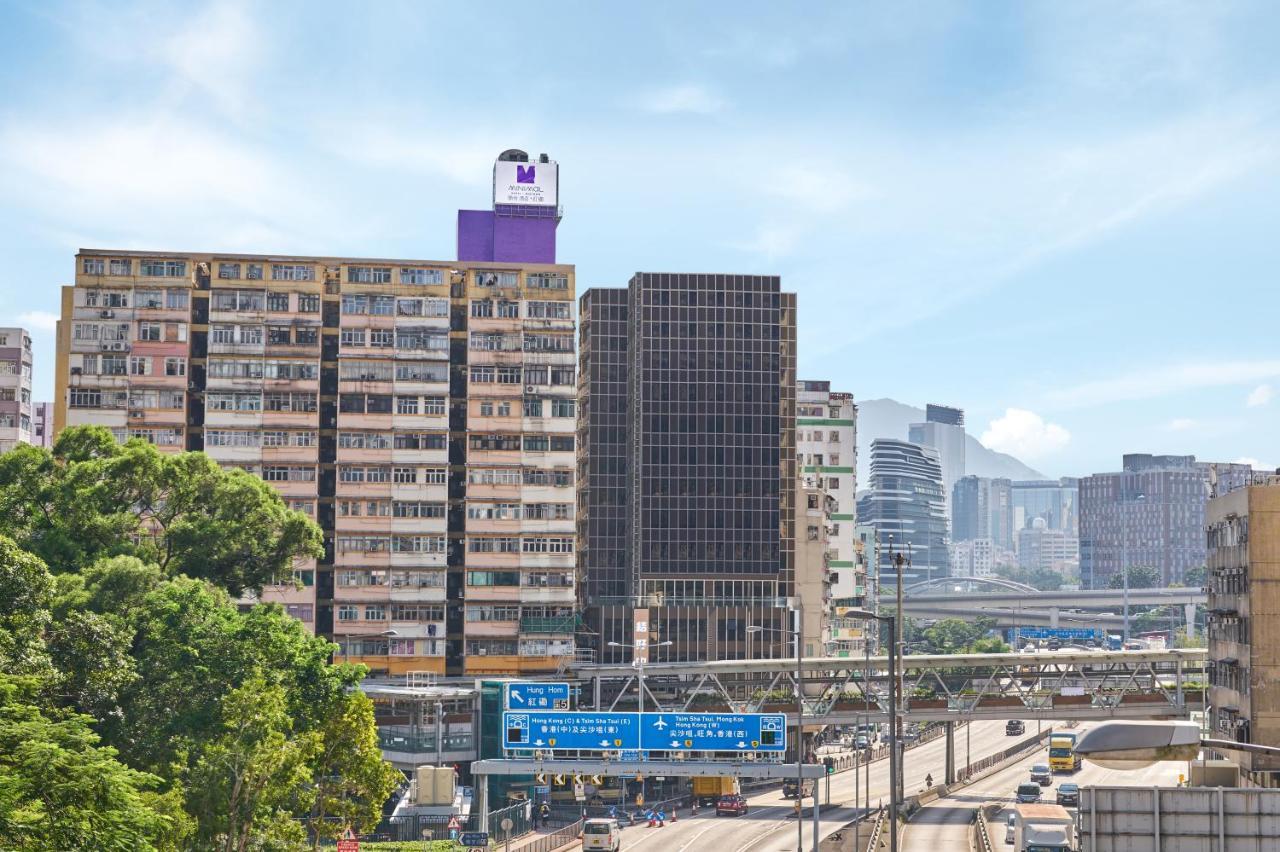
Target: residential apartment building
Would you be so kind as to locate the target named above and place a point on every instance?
(42, 424)
(1243, 580)
(943, 429)
(1150, 514)
(1043, 548)
(813, 579)
(826, 444)
(422, 412)
(16, 425)
(973, 557)
(687, 465)
(905, 505)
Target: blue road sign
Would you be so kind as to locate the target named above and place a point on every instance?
(633, 756)
(568, 730)
(714, 732)
(636, 734)
(534, 695)
(1061, 633)
(474, 838)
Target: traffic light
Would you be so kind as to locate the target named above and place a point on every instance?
(830, 763)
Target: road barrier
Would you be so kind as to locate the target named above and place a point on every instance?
(876, 840)
(556, 839)
(1000, 757)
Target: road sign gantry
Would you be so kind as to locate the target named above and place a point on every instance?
(643, 732)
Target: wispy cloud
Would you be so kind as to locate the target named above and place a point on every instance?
(682, 98)
(1255, 464)
(1259, 396)
(38, 321)
(1163, 381)
(770, 241)
(1181, 424)
(1024, 434)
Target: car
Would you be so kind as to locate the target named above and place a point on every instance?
(601, 835)
(1069, 795)
(1014, 728)
(1010, 826)
(1028, 793)
(1040, 774)
(1055, 644)
(861, 741)
(789, 789)
(732, 805)
(910, 735)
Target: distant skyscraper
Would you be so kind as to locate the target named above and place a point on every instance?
(973, 558)
(982, 509)
(905, 501)
(943, 430)
(1055, 501)
(1150, 514)
(1040, 547)
(687, 464)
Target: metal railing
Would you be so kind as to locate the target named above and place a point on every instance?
(985, 763)
(877, 828)
(981, 839)
(555, 839)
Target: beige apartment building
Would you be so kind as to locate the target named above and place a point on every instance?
(422, 412)
(1243, 621)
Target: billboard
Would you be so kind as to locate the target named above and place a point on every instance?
(526, 183)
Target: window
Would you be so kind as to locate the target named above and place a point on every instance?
(406, 405)
(382, 306)
(353, 304)
(481, 308)
(421, 371)
(404, 475)
(408, 307)
(533, 408)
(421, 276)
(237, 300)
(93, 266)
(277, 302)
(306, 335)
(509, 375)
(562, 408)
(496, 279)
(547, 281)
(382, 338)
(175, 299)
(509, 310)
(549, 310)
(479, 374)
(348, 612)
(122, 267)
(228, 270)
(378, 403)
(309, 303)
(292, 272)
(175, 366)
(369, 274)
(253, 271)
(833, 483)
(352, 337)
(278, 335)
(139, 365)
(375, 612)
(164, 268)
(150, 299)
(149, 331)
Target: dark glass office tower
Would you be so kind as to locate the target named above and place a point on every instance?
(687, 465)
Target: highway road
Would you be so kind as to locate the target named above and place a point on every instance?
(943, 825)
(770, 826)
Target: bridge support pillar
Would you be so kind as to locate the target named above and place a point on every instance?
(1053, 616)
(1189, 611)
(950, 763)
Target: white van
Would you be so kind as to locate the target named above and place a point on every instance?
(602, 835)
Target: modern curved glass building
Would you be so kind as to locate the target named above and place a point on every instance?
(905, 501)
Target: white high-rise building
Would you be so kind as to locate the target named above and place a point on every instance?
(973, 558)
(15, 388)
(826, 432)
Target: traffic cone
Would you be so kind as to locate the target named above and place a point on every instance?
(675, 813)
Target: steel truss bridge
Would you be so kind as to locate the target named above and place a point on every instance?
(1048, 685)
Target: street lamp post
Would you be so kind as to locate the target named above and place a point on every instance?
(894, 770)
(1124, 557)
(1122, 744)
(798, 634)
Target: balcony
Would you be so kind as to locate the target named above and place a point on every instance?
(559, 624)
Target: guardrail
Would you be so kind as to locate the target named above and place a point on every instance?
(877, 828)
(555, 839)
(1000, 757)
(981, 839)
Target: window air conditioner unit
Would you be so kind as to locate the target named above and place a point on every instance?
(530, 388)
(75, 371)
(136, 413)
(107, 314)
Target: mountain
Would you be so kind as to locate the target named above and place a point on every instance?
(888, 418)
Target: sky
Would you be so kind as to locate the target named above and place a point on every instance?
(1058, 216)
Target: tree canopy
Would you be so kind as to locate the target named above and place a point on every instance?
(141, 707)
(1140, 577)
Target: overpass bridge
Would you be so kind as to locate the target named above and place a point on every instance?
(1047, 685)
(1015, 604)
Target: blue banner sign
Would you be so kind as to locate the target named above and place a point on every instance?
(474, 838)
(1061, 633)
(568, 730)
(634, 734)
(714, 732)
(534, 695)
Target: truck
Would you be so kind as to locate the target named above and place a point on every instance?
(1043, 828)
(707, 789)
(1062, 752)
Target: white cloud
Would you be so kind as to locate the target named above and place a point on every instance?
(1163, 381)
(823, 189)
(1181, 424)
(1254, 463)
(682, 98)
(38, 321)
(1260, 396)
(216, 51)
(771, 241)
(1024, 434)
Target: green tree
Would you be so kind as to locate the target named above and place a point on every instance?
(1042, 579)
(60, 790)
(91, 497)
(254, 771)
(1140, 577)
(25, 592)
(1195, 577)
(351, 780)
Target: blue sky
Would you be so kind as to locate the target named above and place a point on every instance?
(1060, 216)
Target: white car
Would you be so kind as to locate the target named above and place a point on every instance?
(1010, 821)
(601, 835)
